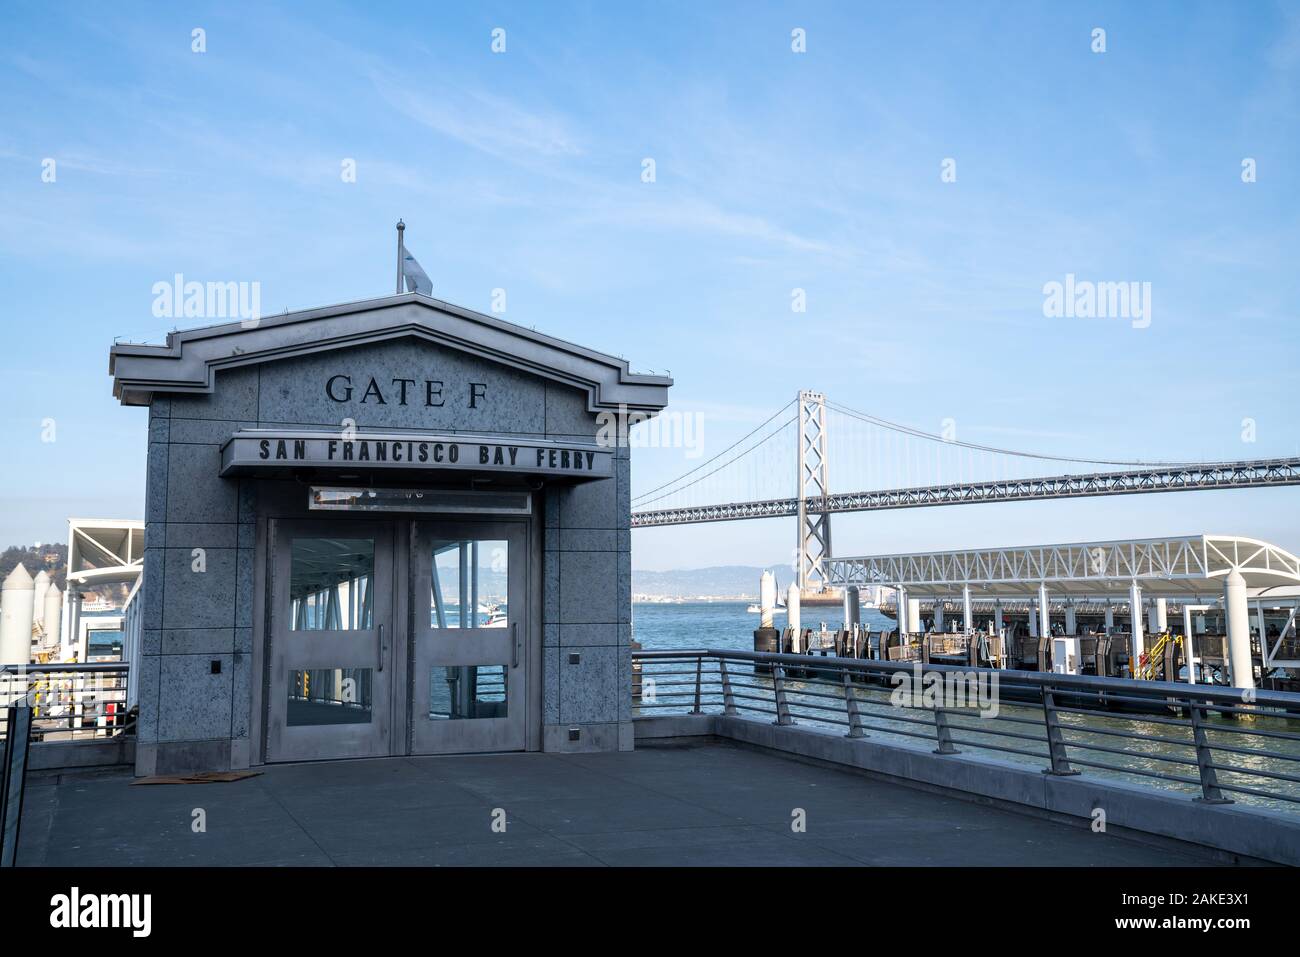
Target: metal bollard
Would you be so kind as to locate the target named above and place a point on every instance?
(943, 732)
(1055, 740)
(1210, 793)
(851, 706)
(728, 698)
(13, 774)
(778, 686)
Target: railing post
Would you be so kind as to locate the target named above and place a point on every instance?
(1210, 793)
(778, 690)
(728, 699)
(699, 667)
(1055, 740)
(943, 732)
(13, 768)
(851, 706)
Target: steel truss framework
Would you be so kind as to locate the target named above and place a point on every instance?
(1188, 567)
(1169, 567)
(1246, 474)
(102, 551)
(814, 489)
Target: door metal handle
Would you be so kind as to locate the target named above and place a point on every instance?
(514, 634)
(383, 649)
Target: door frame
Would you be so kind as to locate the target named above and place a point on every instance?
(481, 735)
(279, 510)
(322, 742)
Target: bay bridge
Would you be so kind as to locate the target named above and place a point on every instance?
(781, 469)
(1117, 605)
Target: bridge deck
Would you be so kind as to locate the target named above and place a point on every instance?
(1255, 473)
(711, 804)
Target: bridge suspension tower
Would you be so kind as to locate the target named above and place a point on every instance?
(814, 546)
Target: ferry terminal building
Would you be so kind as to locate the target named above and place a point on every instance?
(381, 528)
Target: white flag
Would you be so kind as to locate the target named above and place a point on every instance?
(417, 280)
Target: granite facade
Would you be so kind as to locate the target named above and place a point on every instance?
(197, 681)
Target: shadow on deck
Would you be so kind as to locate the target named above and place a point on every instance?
(705, 803)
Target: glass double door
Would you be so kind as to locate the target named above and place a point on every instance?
(396, 638)
(467, 655)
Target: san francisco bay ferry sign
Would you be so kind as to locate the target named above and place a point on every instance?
(255, 450)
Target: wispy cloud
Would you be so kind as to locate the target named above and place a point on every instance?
(699, 215)
(1284, 53)
(481, 120)
(88, 162)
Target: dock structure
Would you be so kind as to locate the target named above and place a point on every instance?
(747, 739)
(1249, 587)
(594, 810)
(398, 529)
(100, 552)
(1218, 771)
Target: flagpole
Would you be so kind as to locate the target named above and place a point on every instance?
(401, 248)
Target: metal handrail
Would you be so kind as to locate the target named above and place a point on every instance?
(105, 667)
(828, 690)
(1286, 700)
(69, 701)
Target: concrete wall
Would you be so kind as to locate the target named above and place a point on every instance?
(587, 597)
(196, 681)
(191, 718)
(62, 755)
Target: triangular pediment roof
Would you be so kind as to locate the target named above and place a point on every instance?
(190, 359)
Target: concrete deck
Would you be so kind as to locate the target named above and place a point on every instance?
(706, 804)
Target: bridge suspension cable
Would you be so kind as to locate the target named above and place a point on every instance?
(679, 483)
(876, 463)
(909, 430)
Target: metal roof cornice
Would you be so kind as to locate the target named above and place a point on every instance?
(187, 363)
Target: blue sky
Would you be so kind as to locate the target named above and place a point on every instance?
(774, 171)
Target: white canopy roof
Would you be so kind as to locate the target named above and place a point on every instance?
(104, 550)
(1191, 566)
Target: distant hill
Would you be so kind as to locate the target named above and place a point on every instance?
(52, 559)
(732, 580)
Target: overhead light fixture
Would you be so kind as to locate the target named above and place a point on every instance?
(334, 499)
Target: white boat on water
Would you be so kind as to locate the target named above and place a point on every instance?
(757, 609)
